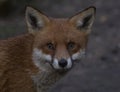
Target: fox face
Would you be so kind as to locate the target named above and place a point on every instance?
(58, 43)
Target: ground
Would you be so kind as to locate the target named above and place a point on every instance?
(100, 70)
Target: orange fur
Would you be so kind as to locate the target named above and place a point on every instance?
(16, 65)
(16, 54)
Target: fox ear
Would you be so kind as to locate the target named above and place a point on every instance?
(35, 20)
(84, 20)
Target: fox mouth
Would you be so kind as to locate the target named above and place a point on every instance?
(60, 69)
(62, 64)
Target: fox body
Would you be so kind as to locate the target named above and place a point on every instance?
(35, 61)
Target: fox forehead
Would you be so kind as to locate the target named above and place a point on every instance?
(46, 29)
(60, 30)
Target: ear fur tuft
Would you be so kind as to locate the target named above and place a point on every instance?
(84, 19)
(35, 19)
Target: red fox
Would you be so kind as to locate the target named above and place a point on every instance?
(35, 61)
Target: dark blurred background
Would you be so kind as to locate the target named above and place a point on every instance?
(100, 70)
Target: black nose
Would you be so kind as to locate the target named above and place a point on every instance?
(63, 63)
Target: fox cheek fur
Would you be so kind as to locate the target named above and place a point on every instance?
(44, 61)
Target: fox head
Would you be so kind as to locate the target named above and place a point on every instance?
(58, 42)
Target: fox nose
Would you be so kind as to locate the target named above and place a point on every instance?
(63, 63)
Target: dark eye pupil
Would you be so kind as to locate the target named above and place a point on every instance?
(71, 45)
(50, 46)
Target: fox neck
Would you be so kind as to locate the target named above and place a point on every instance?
(47, 79)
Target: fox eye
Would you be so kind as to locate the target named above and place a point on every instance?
(50, 46)
(71, 45)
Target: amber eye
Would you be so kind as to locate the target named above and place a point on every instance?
(71, 45)
(50, 46)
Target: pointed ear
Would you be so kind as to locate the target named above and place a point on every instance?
(84, 19)
(35, 20)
